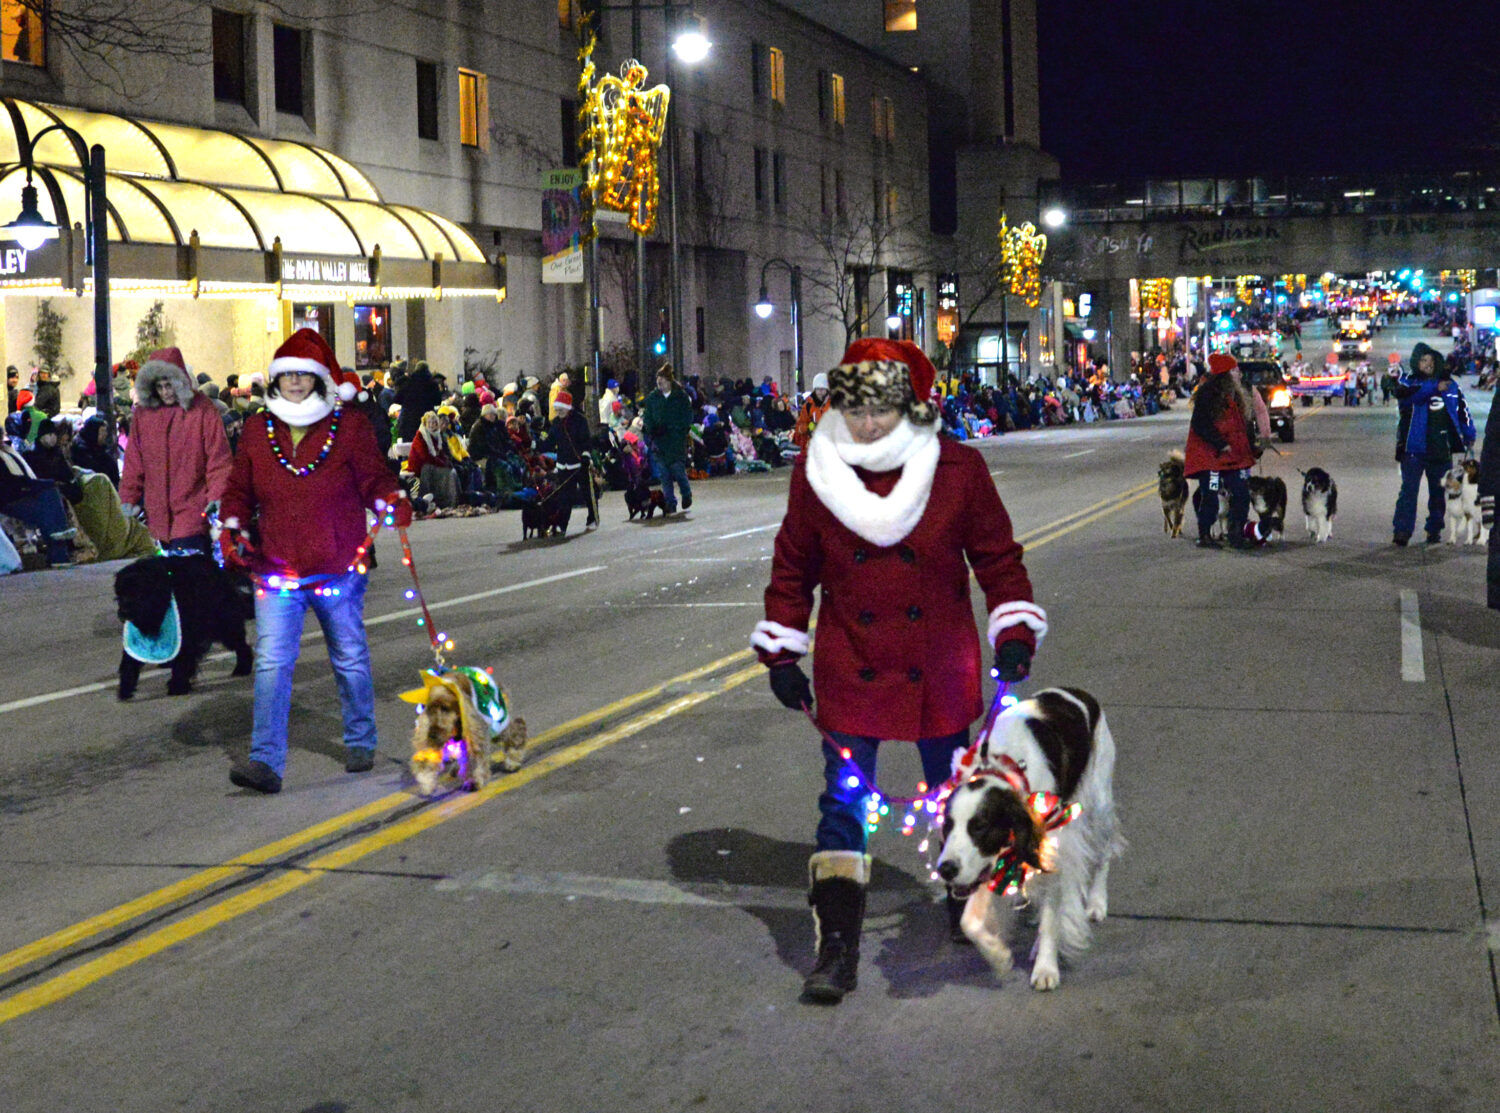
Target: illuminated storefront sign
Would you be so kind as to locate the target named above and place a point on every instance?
(327, 272)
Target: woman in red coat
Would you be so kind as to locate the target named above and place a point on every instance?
(1219, 453)
(888, 519)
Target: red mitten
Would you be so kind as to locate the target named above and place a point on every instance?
(400, 512)
(237, 548)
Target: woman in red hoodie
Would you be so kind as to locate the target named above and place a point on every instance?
(1219, 450)
(294, 518)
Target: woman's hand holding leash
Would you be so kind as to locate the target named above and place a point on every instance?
(790, 685)
(1012, 661)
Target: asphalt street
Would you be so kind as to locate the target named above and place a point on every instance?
(1307, 774)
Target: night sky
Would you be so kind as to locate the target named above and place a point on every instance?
(1195, 87)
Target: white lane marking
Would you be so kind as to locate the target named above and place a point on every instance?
(748, 603)
(1070, 455)
(1412, 667)
(639, 890)
(998, 471)
(747, 532)
(315, 635)
(691, 560)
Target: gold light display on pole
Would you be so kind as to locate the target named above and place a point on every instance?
(1156, 296)
(625, 129)
(587, 138)
(1022, 249)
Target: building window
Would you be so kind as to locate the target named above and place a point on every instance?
(840, 203)
(567, 14)
(229, 56)
(757, 82)
(702, 332)
(473, 109)
(778, 180)
(823, 197)
(760, 176)
(288, 50)
(900, 15)
(877, 201)
(427, 100)
(778, 76)
(22, 36)
(890, 121)
(836, 89)
(571, 156)
(877, 119)
(319, 318)
(892, 200)
(372, 336)
(700, 160)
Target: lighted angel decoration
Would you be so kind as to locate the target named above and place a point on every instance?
(628, 123)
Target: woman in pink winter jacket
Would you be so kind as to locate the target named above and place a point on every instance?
(177, 461)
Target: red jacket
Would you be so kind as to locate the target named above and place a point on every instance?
(898, 654)
(185, 456)
(1230, 429)
(313, 524)
(421, 455)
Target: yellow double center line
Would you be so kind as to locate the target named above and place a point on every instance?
(290, 877)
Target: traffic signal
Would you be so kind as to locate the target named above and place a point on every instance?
(660, 347)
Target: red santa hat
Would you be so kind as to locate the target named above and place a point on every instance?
(1220, 362)
(563, 401)
(305, 351)
(349, 385)
(879, 372)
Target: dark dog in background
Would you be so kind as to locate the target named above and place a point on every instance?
(1268, 499)
(1171, 485)
(210, 608)
(644, 500)
(549, 514)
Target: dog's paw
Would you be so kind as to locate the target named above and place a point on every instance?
(1097, 909)
(996, 953)
(1045, 977)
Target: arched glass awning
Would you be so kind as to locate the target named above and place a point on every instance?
(168, 181)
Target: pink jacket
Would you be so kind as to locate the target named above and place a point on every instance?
(176, 463)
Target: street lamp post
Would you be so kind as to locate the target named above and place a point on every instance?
(31, 229)
(765, 307)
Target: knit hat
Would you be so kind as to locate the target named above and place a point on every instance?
(876, 372)
(507, 390)
(1220, 362)
(1393, 358)
(489, 411)
(305, 351)
(820, 381)
(563, 401)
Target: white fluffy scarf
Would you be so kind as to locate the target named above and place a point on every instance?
(311, 410)
(832, 456)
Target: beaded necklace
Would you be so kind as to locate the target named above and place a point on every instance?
(305, 469)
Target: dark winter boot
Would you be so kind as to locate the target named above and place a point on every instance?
(837, 897)
(1206, 540)
(955, 916)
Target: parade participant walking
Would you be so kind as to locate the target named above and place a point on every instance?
(814, 406)
(1433, 426)
(884, 515)
(177, 459)
(666, 418)
(294, 518)
(1219, 451)
(568, 439)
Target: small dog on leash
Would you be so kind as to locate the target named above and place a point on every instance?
(1268, 500)
(1220, 528)
(1043, 755)
(1172, 486)
(462, 715)
(644, 500)
(173, 608)
(1320, 502)
(549, 514)
(1464, 520)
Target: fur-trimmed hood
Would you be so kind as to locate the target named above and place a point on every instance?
(154, 371)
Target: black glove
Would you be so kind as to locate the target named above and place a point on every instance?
(1012, 661)
(790, 685)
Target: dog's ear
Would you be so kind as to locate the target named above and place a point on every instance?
(1014, 816)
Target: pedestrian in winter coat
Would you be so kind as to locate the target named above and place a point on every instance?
(294, 519)
(92, 450)
(1434, 425)
(177, 459)
(48, 394)
(1489, 487)
(610, 414)
(667, 417)
(1220, 453)
(814, 406)
(568, 439)
(419, 395)
(889, 519)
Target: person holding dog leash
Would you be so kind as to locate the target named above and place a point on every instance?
(1221, 452)
(888, 518)
(1434, 425)
(294, 520)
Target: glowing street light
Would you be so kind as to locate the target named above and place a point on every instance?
(691, 44)
(31, 229)
(1054, 218)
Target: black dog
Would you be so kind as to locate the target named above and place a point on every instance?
(209, 606)
(549, 514)
(644, 500)
(1268, 497)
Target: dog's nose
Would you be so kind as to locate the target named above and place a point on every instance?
(948, 870)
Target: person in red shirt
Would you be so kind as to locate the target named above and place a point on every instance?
(1219, 451)
(888, 519)
(294, 519)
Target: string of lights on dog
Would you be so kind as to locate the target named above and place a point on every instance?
(1045, 808)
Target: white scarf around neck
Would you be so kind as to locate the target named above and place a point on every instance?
(311, 410)
(832, 456)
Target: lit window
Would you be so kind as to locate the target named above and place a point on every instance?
(473, 109)
(900, 15)
(892, 197)
(567, 14)
(836, 86)
(890, 120)
(778, 76)
(22, 38)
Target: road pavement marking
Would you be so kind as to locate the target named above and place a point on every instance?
(1108, 510)
(747, 532)
(1412, 667)
(1107, 506)
(160, 898)
(135, 950)
(311, 636)
(1070, 455)
(634, 889)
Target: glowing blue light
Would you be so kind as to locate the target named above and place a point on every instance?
(852, 782)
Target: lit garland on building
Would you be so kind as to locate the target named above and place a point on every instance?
(1244, 288)
(1022, 249)
(1156, 296)
(626, 124)
(586, 136)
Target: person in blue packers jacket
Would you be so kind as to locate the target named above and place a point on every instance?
(887, 518)
(1434, 426)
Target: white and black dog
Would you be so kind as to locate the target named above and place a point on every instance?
(1061, 743)
(1268, 500)
(1320, 502)
(1464, 520)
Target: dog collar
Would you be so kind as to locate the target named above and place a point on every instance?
(161, 647)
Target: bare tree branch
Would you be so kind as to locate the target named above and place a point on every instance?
(845, 252)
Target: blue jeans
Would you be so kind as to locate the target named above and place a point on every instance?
(842, 806)
(278, 639)
(43, 509)
(1237, 485)
(1412, 469)
(665, 473)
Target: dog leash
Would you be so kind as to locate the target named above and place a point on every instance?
(440, 641)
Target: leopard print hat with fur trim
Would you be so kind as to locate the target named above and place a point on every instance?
(876, 372)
